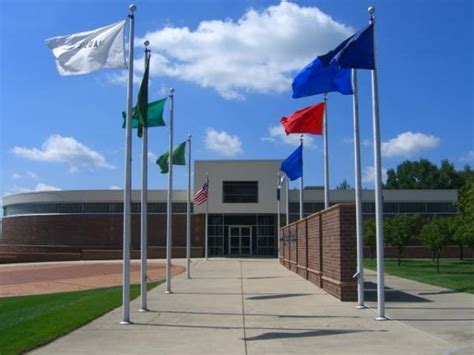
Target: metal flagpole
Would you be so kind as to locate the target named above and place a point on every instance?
(207, 216)
(326, 154)
(301, 181)
(287, 186)
(169, 205)
(378, 185)
(188, 215)
(278, 211)
(128, 178)
(144, 211)
(358, 195)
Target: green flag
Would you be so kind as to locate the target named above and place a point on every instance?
(155, 114)
(178, 158)
(142, 102)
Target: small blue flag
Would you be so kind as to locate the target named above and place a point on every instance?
(355, 52)
(293, 165)
(316, 79)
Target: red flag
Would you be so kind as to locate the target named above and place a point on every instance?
(307, 120)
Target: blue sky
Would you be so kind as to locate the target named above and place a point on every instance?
(231, 63)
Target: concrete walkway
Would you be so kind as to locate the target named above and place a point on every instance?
(247, 306)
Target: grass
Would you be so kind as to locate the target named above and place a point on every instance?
(27, 322)
(454, 274)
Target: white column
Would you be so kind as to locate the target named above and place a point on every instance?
(207, 218)
(144, 212)
(378, 187)
(358, 195)
(326, 154)
(188, 215)
(301, 182)
(127, 189)
(169, 219)
(287, 188)
(278, 213)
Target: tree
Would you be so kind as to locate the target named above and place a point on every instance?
(423, 174)
(399, 231)
(435, 235)
(370, 235)
(463, 225)
(344, 185)
(420, 174)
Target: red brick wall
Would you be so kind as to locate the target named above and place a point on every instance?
(326, 247)
(93, 236)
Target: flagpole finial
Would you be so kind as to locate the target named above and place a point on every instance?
(171, 91)
(132, 8)
(325, 96)
(189, 137)
(371, 10)
(146, 43)
(301, 138)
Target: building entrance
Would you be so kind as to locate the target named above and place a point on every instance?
(240, 240)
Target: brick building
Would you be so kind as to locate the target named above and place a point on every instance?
(70, 225)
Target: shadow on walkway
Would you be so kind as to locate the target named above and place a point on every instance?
(391, 295)
(281, 295)
(310, 333)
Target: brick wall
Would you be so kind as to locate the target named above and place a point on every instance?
(322, 249)
(57, 237)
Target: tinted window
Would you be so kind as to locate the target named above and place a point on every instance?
(240, 191)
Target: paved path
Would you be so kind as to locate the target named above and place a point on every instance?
(248, 306)
(34, 279)
(445, 314)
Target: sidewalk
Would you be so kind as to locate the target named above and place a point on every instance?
(246, 306)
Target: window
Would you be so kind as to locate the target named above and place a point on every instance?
(240, 191)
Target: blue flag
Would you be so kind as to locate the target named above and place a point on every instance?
(355, 52)
(293, 165)
(316, 79)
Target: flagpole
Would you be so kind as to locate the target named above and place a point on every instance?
(207, 215)
(169, 206)
(278, 212)
(287, 186)
(378, 184)
(188, 215)
(326, 154)
(301, 180)
(358, 195)
(128, 178)
(144, 211)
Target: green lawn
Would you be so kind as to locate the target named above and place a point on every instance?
(454, 273)
(29, 321)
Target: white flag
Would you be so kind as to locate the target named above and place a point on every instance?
(85, 52)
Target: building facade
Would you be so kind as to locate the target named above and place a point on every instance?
(242, 215)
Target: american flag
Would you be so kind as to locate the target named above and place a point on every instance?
(201, 196)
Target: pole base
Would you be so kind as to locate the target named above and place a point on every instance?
(361, 306)
(142, 310)
(381, 318)
(168, 292)
(125, 322)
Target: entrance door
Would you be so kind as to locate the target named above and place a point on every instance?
(240, 240)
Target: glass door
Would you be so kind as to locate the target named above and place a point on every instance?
(240, 240)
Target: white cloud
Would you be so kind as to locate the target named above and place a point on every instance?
(363, 142)
(16, 176)
(368, 174)
(222, 142)
(64, 150)
(45, 187)
(115, 187)
(152, 157)
(469, 157)
(277, 134)
(408, 143)
(39, 187)
(259, 52)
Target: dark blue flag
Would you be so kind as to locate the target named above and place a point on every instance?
(355, 52)
(316, 79)
(293, 165)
